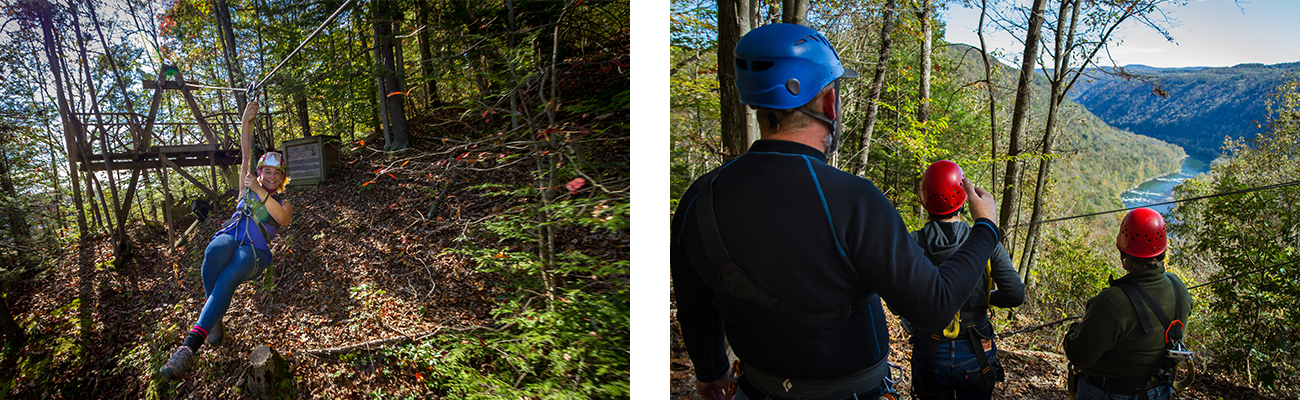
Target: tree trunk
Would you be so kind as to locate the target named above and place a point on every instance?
(300, 105)
(385, 14)
(1019, 114)
(269, 375)
(14, 335)
(1060, 70)
(47, 27)
(18, 227)
(119, 210)
(426, 56)
(873, 95)
(794, 12)
(736, 124)
(226, 34)
(992, 86)
(923, 106)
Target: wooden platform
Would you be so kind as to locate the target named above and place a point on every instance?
(183, 156)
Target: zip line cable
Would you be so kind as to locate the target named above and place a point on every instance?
(1064, 320)
(253, 87)
(1247, 190)
(300, 45)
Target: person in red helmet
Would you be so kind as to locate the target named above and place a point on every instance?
(945, 364)
(1120, 348)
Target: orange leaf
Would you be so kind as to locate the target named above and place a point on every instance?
(391, 175)
(407, 162)
(500, 255)
(367, 183)
(363, 142)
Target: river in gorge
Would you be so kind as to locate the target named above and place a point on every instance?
(1160, 189)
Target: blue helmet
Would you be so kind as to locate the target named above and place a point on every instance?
(783, 66)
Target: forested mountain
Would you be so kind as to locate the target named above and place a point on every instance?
(1193, 107)
(1096, 156)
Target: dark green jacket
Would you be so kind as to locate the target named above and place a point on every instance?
(1109, 340)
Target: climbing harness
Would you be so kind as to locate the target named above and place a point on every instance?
(1224, 279)
(253, 213)
(1177, 356)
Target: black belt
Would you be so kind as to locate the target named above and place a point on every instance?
(757, 394)
(1125, 387)
(859, 385)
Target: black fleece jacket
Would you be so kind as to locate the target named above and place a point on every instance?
(817, 238)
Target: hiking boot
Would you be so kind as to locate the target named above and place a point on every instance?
(176, 367)
(214, 337)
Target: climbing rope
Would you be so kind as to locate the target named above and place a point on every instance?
(1246, 190)
(1224, 279)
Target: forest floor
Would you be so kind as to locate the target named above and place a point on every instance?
(359, 263)
(1035, 368)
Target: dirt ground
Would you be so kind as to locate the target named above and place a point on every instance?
(1035, 369)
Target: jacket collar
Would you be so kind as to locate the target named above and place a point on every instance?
(788, 147)
(1142, 276)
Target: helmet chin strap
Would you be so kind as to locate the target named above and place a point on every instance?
(833, 141)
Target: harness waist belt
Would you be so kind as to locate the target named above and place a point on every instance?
(835, 388)
(1126, 387)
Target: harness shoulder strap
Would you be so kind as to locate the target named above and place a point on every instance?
(1140, 306)
(1142, 299)
(735, 281)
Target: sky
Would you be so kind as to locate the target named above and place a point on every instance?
(1207, 33)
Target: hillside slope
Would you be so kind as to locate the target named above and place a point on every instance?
(1204, 105)
(1101, 160)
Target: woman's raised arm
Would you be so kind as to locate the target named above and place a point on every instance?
(246, 144)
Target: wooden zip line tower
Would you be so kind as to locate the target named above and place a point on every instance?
(136, 142)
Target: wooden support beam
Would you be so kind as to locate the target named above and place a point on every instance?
(211, 194)
(153, 111)
(128, 161)
(194, 108)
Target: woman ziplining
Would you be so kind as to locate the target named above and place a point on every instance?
(240, 250)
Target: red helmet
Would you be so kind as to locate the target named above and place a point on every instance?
(1142, 234)
(941, 189)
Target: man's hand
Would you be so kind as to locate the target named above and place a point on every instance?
(716, 390)
(982, 203)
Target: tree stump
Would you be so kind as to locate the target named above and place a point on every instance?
(269, 376)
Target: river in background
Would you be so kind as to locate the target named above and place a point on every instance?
(1161, 189)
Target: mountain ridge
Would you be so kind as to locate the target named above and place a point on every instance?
(1194, 107)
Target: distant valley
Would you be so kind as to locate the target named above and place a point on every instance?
(1204, 104)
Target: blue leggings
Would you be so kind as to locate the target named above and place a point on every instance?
(226, 264)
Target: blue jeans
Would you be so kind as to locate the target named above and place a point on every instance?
(226, 264)
(954, 363)
(1089, 392)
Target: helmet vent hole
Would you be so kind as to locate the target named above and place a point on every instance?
(742, 65)
(801, 41)
(760, 66)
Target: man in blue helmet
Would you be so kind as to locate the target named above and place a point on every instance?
(786, 258)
